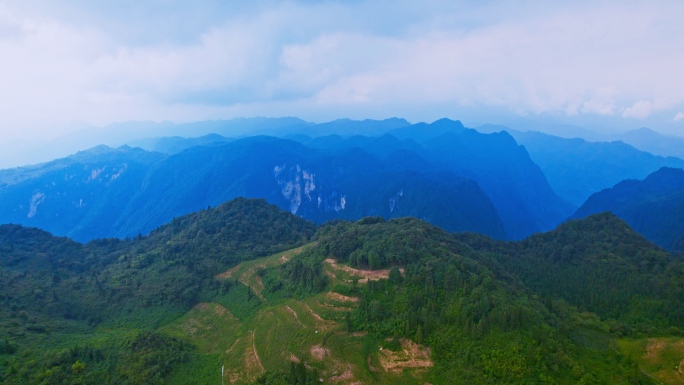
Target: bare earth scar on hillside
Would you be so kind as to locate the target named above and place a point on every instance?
(366, 275)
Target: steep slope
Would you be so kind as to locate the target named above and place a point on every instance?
(80, 196)
(125, 192)
(517, 187)
(233, 287)
(314, 185)
(576, 168)
(481, 325)
(598, 264)
(74, 313)
(654, 207)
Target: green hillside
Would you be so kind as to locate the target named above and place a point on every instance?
(272, 300)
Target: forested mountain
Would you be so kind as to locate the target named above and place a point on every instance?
(654, 206)
(515, 184)
(442, 172)
(56, 293)
(151, 310)
(313, 184)
(598, 264)
(130, 191)
(80, 196)
(576, 168)
(517, 187)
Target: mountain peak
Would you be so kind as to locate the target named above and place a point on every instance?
(456, 125)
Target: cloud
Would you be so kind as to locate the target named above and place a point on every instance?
(678, 117)
(640, 109)
(644, 108)
(169, 60)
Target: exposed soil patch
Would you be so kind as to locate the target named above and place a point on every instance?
(654, 347)
(411, 355)
(259, 287)
(319, 353)
(229, 273)
(346, 375)
(365, 275)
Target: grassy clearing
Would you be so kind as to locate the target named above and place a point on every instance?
(660, 358)
(210, 326)
(246, 272)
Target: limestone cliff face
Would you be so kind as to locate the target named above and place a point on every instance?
(298, 186)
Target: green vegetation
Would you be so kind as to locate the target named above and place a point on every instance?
(660, 358)
(58, 294)
(249, 288)
(599, 265)
(482, 328)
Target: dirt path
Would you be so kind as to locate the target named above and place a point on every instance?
(232, 346)
(316, 316)
(294, 314)
(257, 354)
(253, 366)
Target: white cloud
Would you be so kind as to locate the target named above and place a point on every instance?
(679, 116)
(640, 109)
(64, 62)
(644, 108)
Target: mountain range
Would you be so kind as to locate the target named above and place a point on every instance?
(653, 206)
(576, 168)
(507, 184)
(453, 177)
(272, 299)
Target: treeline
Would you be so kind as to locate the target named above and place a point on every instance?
(600, 265)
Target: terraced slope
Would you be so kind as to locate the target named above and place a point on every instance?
(280, 331)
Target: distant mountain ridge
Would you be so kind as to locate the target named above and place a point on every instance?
(120, 195)
(654, 142)
(576, 168)
(532, 180)
(654, 206)
(503, 169)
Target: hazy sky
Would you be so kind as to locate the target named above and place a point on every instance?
(594, 63)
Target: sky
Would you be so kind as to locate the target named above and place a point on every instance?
(606, 65)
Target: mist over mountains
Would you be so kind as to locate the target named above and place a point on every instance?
(507, 184)
(462, 250)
